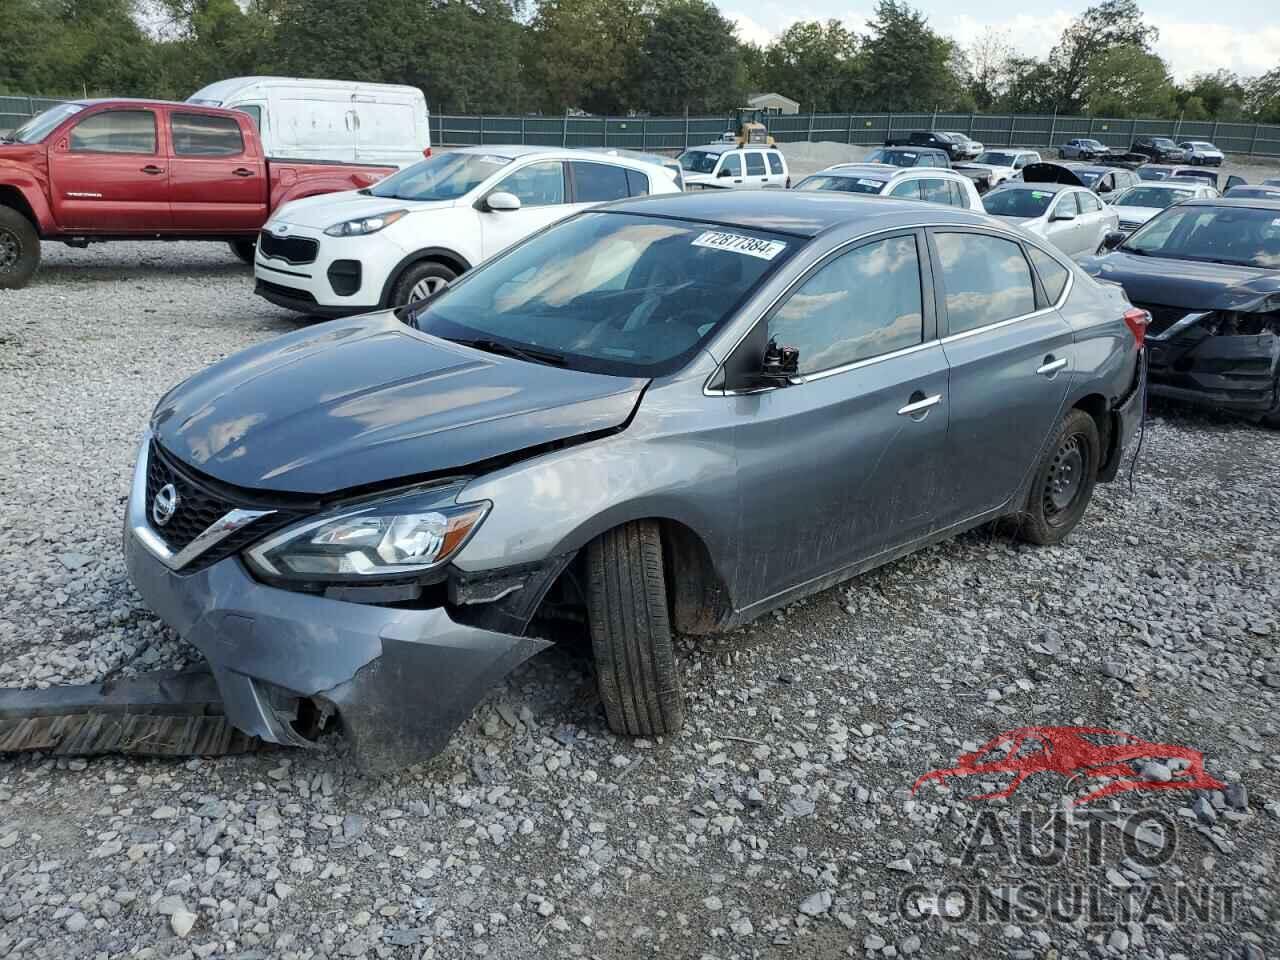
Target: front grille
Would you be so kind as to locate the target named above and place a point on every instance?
(1162, 318)
(295, 250)
(198, 508)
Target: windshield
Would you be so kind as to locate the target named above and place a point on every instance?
(42, 124)
(1017, 203)
(698, 161)
(996, 159)
(1164, 143)
(841, 184)
(898, 158)
(445, 176)
(609, 293)
(1159, 197)
(1237, 235)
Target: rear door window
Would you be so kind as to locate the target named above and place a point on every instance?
(959, 198)
(115, 131)
(598, 182)
(861, 304)
(936, 190)
(755, 164)
(202, 135)
(986, 279)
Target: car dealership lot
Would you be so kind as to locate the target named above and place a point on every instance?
(778, 822)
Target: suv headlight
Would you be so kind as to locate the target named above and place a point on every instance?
(364, 226)
(396, 538)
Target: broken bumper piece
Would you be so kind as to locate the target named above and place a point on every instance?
(1192, 362)
(400, 680)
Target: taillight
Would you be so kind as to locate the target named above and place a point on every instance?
(1137, 321)
(426, 152)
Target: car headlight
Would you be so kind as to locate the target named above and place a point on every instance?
(365, 225)
(395, 538)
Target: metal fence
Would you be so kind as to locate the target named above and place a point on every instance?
(676, 133)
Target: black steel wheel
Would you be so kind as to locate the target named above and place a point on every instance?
(19, 249)
(1064, 481)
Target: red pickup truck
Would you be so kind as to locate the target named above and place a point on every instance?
(93, 170)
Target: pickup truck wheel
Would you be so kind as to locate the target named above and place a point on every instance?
(244, 249)
(420, 281)
(19, 249)
(1063, 484)
(631, 631)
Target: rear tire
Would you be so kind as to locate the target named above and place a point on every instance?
(19, 249)
(1063, 483)
(631, 639)
(244, 249)
(419, 281)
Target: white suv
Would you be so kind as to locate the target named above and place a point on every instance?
(737, 168)
(410, 234)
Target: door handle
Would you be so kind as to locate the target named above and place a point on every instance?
(151, 169)
(918, 406)
(242, 172)
(1050, 367)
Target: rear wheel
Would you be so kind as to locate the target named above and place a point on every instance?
(1064, 481)
(244, 249)
(19, 249)
(631, 638)
(420, 281)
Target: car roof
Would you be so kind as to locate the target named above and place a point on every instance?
(912, 148)
(1040, 187)
(886, 171)
(516, 151)
(1245, 202)
(803, 213)
(726, 147)
(1168, 183)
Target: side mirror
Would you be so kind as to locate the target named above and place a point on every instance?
(1063, 215)
(1112, 239)
(725, 172)
(781, 365)
(500, 201)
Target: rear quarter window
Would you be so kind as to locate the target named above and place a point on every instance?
(775, 163)
(1053, 275)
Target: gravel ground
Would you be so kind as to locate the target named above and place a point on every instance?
(779, 823)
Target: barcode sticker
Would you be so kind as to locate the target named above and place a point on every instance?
(736, 243)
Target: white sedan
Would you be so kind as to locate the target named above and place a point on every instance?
(1071, 218)
(409, 235)
(1202, 153)
(1139, 204)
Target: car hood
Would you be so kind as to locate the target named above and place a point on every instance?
(1138, 214)
(323, 211)
(368, 401)
(1027, 223)
(994, 168)
(1188, 283)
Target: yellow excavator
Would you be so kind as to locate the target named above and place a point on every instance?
(750, 129)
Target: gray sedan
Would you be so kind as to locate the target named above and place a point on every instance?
(666, 415)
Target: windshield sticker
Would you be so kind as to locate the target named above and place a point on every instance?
(905, 154)
(736, 243)
(863, 182)
(1040, 194)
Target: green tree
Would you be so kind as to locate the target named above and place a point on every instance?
(478, 69)
(1262, 98)
(990, 61)
(1220, 95)
(1110, 24)
(815, 63)
(210, 40)
(1128, 81)
(1031, 87)
(691, 60)
(582, 53)
(907, 65)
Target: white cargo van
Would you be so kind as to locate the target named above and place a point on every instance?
(335, 120)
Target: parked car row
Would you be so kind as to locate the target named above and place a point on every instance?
(1156, 149)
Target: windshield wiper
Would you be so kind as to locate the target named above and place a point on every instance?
(520, 353)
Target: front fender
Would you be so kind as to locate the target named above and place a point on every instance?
(32, 187)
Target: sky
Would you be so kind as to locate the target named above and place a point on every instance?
(1240, 37)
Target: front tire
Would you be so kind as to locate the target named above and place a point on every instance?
(246, 250)
(19, 249)
(421, 280)
(631, 638)
(1063, 483)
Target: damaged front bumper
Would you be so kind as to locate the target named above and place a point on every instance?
(1202, 358)
(401, 680)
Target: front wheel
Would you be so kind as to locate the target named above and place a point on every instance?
(631, 639)
(19, 249)
(421, 280)
(1063, 483)
(244, 249)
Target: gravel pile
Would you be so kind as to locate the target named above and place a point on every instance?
(780, 822)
